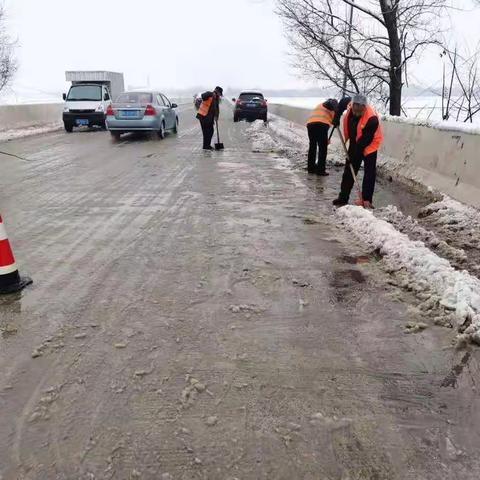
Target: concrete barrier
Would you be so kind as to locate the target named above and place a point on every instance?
(446, 160)
(14, 117)
(25, 116)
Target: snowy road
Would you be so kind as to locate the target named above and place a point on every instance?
(203, 316)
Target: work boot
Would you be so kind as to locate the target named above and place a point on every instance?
(323, 174)
(339, 202)
(208, 148)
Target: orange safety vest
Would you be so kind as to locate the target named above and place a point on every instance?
(377, 138)
(321, 114)
(205, 106)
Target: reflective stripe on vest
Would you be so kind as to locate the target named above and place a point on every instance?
(321, 114)
(377, 138)
(205, 107)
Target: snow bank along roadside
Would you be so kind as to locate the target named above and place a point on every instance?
(7, 135)
(437, 155)
(429, 256)
(432, 278)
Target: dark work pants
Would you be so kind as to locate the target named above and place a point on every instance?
(207, 130)
(369, 177)
(318, 136)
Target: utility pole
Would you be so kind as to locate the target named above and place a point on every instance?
(349, 46)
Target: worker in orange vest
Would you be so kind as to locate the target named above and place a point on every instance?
(363, 132)
(208, 113)
(321, 119)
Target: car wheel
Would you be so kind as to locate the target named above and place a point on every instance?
(115, 135)
(161, 132)
(175, 128)
(68, 127)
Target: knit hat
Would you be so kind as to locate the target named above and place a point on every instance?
(360, 99)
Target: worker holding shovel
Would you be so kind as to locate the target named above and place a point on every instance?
(363, 132)
(208, 114)
(318, 124)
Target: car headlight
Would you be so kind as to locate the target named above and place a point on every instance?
(100, 108)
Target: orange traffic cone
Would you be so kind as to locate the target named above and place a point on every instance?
(10, 280)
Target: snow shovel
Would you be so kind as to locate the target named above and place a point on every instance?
(218, 145)
(331, 134)
(355, 179)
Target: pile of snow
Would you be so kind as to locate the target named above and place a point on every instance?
(6, 135)
(411, 227)
(457, 290)
(458, 224)
(291, 132)
(453, 215)
(262, 141)
(288, 137)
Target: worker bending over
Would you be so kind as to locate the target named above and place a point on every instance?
(208, 114)
(363, 132)
(321, 119)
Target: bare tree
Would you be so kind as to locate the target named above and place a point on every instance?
(385, 36)
(8, 62)
(462, 98)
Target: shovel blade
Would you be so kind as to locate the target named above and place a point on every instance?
(219, 146)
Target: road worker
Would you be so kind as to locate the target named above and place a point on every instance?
(321, 119)
(363, 132)
(208, 114)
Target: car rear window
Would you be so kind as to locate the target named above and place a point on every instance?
(250, 96)
(134, 97)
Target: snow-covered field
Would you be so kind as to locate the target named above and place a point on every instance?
(437, 257)
(23, 95)
(420, 107)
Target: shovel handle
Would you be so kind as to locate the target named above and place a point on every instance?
(218, 133)
(331, 134)
(355, 179)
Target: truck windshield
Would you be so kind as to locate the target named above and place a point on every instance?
(80, 93)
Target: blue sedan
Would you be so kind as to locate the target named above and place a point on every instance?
(141, 112)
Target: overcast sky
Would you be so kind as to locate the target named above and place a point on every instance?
(173, 43)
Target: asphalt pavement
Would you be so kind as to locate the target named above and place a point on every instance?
(200, 315)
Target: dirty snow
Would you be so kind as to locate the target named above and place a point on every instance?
(453, 215)
(261, 140)
(286, 136)
(458, 290)
(6, 135)
(411, 227)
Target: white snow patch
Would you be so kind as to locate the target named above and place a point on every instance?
(6, 135)
(448, 125)
(290, 137)
(262, 141)
(458, 290)
(451, 212)
(411, 227)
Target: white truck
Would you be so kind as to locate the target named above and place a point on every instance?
(89, 96)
